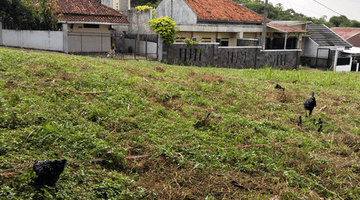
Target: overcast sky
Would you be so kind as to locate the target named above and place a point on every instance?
(349, 8)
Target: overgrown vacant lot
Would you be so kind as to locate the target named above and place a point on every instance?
(189, 120)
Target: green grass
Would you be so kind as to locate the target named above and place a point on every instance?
(82, 108)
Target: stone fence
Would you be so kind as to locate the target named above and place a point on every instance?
(211, 54)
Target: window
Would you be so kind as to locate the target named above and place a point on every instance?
(91, 26)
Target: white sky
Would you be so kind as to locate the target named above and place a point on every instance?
(349, 8)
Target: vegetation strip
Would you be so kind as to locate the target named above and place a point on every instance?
(169, 120)
(246, 146)
(92, 160)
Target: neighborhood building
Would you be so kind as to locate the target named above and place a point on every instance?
(86, 28)
(351, 35)
(286, 34)
(221, 21)
(322, 48)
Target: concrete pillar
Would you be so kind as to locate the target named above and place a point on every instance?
(160, 49)
(65, 38)
(239, 35)
(286, 37)
(1, 41)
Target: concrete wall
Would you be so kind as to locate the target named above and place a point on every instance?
(310, 48)
(108, 3)
(178, 10)
(89, 42)
(124, 5)
(211, 54)
(139, 22)
(47, 40)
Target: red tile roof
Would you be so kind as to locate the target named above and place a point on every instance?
(85, 18)
(285, 28)
(88, 11)
(225, 10)
(346, 33)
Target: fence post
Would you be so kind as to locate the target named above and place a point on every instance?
(160, 50)
(81, 42)
(256, 50)
(65, 38)
(135, 49)
(1, 40)
(146, 47)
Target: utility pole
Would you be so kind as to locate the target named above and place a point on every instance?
(263, 40)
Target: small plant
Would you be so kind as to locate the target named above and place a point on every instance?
(189, 41)
(146, 7)
(166, 27)
(198, 49)
(143, 8)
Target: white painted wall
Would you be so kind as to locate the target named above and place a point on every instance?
(46, 40)
(178, 10)
(310, 48)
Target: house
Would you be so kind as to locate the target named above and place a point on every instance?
(322, 47)
(227, 23)
(352, 35)
(285, 35)
(88, 24)
(222, 21)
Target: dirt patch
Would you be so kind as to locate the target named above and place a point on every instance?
(206, 77)
(159, 69)
(191, 74)
(285, 96)
(10, 84)
(169, 181)
(65, 76)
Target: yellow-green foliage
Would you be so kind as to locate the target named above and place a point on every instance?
(146, 7)
(164, 26)
(189, 41)
(143, 8)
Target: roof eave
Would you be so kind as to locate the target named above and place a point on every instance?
(228, 21)
(87, 22)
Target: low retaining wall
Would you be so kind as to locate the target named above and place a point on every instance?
(46, 40)
(210, 54)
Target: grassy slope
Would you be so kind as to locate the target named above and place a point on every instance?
(160, 110)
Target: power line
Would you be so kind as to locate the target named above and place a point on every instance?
(327, 7)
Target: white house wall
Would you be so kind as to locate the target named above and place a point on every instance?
(46, 40)
(178, 10)
(310, 48)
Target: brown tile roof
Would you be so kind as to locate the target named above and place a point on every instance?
(225, 10)
(88, 11)
(285, 28)
(346, 33)
(86, 18)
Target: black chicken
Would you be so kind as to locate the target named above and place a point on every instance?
(309, 104)
(277, 86)
(299, 121)
(320, 128)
